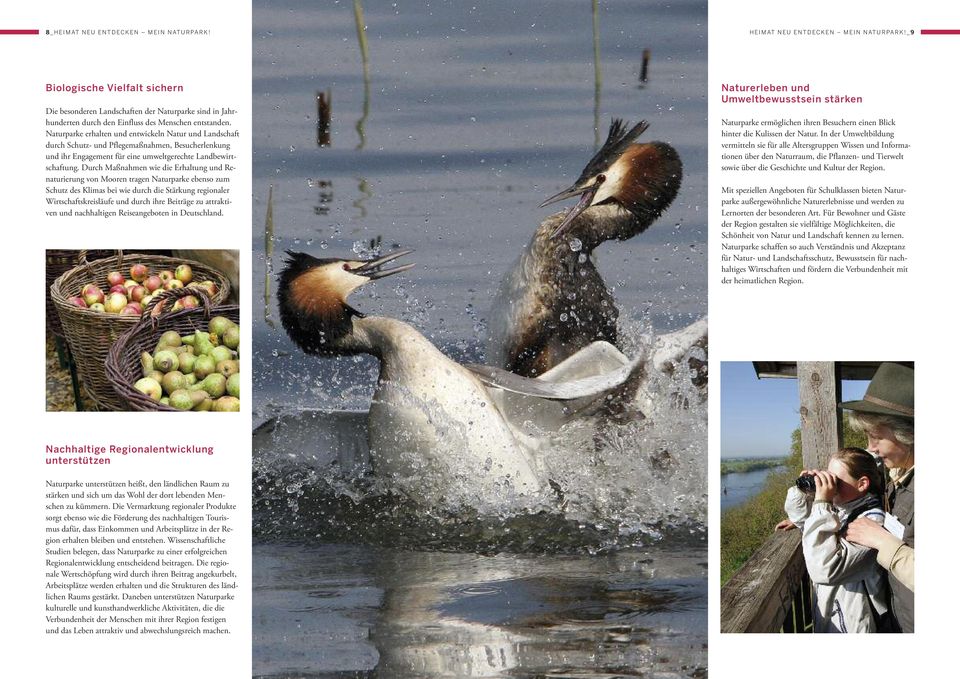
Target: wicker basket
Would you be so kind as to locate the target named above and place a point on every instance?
(58, 263)
(90, 334)
(123, 362)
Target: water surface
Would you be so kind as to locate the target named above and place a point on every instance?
(737, 488)
(333, 609)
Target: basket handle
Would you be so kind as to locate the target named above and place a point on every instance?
(156, 307)
(82, 259)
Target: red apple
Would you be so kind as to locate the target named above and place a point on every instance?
(132, 309)
(92, 294)
(115, 278)
(188, 302)
(173, 284)
(153, 283)
(210, 288)
(139, 272)
(115, 302)
(118, 288)
(78, 301)
(137, 293)
(184, 273)
(166, 275)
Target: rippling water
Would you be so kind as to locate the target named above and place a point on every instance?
(469, 117)
(344, 610)
(737, 488)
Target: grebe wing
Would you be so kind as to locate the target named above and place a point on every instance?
(596, 358)
(583, 382)
(551, 400)
(670, 348)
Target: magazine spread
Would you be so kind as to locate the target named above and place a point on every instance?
(539, 339)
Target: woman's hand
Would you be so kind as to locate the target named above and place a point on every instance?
(869, 533)
(826, 486)
(786, 524)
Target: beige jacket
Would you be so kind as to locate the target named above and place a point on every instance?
(898, 559)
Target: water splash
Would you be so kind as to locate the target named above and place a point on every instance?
(606, 485)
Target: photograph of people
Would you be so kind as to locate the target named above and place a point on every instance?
(849, 507)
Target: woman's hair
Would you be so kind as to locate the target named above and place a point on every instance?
(860, 463)
(902, 427)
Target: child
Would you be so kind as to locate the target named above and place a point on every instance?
(850, 588)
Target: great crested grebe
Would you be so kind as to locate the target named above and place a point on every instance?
(437, 430)
(554, 301)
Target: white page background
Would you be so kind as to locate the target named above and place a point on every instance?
(215, 70)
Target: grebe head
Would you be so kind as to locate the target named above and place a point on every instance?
(642, 178)
(313, 297)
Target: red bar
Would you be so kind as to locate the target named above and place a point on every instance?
(19, 31)
(940, 31)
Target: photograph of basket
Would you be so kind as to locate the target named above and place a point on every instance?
(123, 366)
(90, 334)
(58, 263)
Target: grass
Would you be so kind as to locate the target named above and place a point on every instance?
(745, 527)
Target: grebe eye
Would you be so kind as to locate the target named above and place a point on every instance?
(601, 178)
(346, 267)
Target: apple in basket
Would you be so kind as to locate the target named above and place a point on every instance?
(92, 294)
(209, 287)
(137, 293)
(139, 272)
(188, 302)
(78, 301)
(115, 302)
(184, 273)
(115, 278)
(153, 283)
(132, 309)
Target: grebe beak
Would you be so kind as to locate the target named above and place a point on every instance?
(372, 269)
(586, 194)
